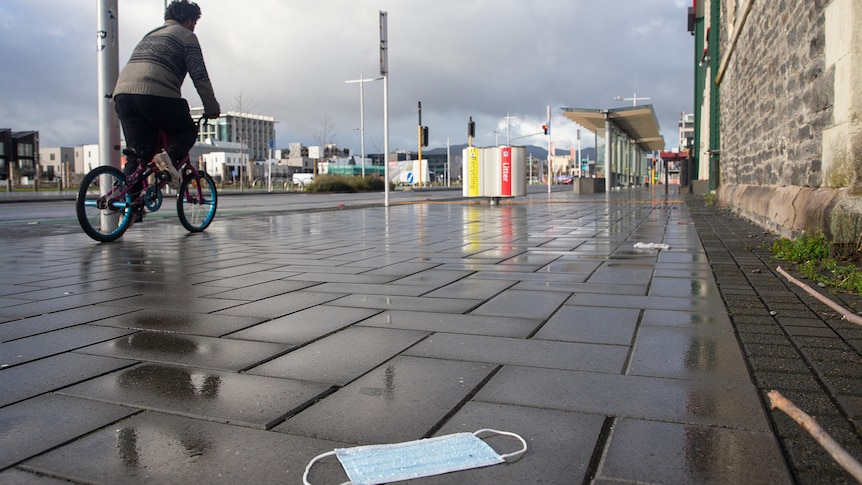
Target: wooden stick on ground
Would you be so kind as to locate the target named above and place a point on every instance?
(839, 454)
(847, 315)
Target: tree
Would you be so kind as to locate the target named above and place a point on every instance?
(243, 105)
(326, 135)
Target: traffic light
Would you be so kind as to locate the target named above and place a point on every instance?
(424, 136)
(471, 128)
(546, 129)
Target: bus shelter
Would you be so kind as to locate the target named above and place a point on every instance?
(623, 137)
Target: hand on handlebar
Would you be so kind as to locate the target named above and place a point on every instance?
(211, 116)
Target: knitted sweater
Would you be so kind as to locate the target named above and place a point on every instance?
(160, 62)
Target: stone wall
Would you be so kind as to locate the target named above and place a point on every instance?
(790, 130)
(776, 96)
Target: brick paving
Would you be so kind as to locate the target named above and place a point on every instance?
(792, 342)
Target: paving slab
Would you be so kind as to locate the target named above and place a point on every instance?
(259, 291)
(454, 323)
(432, 278)
(36, 425)
(341, 357)
(559, 444)
(700, 305)
(280, 305)
(182, 322)
(471, 288)
(14, 476)
(522, 304)
(673, 400)
(685, 319)
(614, 326)
(656, 452)
(305, 325)
(702, 353)
(417, 304)
(45, 375)
(26, 327)
(177, 303)
(156, 448)
(193, 350)
(24, 308)
(402, 400)
(227, 397)
(531, 353)
(44, 345)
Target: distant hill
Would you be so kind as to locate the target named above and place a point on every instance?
(536, 152)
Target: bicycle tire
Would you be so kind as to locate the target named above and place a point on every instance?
(101, 219)
(196, 215)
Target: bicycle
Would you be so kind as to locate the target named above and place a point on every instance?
(106, 208)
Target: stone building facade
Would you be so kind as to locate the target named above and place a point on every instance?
(788, 80)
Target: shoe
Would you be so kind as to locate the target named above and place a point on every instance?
(138, 214)
(163, 161)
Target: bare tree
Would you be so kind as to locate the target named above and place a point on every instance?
(326, 135)
(244, 105)
(378, 145)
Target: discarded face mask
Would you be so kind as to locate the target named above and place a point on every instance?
(375, 464)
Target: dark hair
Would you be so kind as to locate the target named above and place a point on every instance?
(182, 10)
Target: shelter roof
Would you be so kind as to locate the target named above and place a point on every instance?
(638, 122)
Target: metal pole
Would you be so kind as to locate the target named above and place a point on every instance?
(362, 121)
(362, 82)
(384, 71)
(108, 62)
(448, 164)
(550, 168)
(108, 65)
(580, 162)
(608, 136)
(419, 179)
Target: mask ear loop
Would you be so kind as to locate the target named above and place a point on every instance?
(509, 457)
(315, 460)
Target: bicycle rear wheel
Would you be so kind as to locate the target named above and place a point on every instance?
(196, 210)
(103, 206)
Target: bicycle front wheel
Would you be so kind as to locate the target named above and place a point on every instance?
(103, 204)
(197, 202)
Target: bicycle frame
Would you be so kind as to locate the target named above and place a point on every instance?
(142, 173)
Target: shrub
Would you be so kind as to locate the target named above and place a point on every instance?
(808, 247)
(812, 255)
(341, 183)
(330, 183)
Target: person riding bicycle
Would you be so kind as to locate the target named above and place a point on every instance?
(148, 96)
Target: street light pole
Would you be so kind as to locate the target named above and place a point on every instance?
(508, 127)
(633, 99)
(362, 82)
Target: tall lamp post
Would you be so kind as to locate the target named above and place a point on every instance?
(509, 119)
(362, 82)
(634, 99)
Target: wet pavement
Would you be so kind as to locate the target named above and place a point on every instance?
(239, 354)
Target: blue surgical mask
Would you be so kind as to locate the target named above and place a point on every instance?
(375, 464)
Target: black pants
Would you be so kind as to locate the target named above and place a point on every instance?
(143, 116)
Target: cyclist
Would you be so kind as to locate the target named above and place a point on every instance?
(148, 96)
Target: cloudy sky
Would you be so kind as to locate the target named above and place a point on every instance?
(289, 59)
